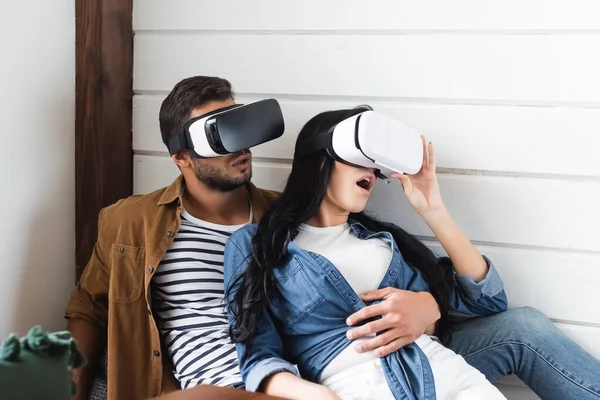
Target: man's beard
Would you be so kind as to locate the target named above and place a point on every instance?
(215, 179)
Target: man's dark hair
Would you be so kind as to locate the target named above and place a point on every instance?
(186, 95)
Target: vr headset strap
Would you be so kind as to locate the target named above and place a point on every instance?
(320, 143)
(178, 142)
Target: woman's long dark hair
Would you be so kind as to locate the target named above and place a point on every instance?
(305, 190)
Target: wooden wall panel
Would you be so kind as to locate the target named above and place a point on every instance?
(103, 140)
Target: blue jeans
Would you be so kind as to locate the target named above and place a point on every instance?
(526, 343)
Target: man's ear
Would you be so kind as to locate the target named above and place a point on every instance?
(182, 159)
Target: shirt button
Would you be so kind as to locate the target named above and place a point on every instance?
(121, 250)
(150, 269)
(170, 234)
(156, 353)
(149, 312)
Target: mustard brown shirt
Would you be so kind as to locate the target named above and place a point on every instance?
(114, 290)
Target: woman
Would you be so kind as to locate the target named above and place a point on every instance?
(294, 279)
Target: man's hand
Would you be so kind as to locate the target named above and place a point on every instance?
(91, 339)
(405, 316)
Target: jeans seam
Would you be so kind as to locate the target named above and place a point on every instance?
(590, 390)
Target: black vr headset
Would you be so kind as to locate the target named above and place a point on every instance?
(371, 140)
(230, 129)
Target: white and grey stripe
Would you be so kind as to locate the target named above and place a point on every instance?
(188, 298)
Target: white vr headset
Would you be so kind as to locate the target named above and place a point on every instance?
(372, 140)
(230, 129)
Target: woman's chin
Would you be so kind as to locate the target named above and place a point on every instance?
(357, 208)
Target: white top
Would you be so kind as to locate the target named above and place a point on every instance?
(363, 263)
(188, 302)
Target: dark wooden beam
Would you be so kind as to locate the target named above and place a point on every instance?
(103, 142)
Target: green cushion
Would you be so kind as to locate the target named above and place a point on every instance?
(38, 366)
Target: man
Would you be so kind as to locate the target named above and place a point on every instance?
(152, 292)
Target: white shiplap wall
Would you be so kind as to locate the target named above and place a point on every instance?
(508, 91)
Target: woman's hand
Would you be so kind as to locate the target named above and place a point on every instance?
(423, 193)
(422, 189)
(289, 386)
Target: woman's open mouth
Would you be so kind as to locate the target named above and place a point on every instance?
(366, 182)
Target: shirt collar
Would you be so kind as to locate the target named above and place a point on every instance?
(174, 192)
(358, 228)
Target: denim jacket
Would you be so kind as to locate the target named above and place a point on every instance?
(305, 324)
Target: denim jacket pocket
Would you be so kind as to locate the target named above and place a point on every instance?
(126, 273)
(297, 294)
